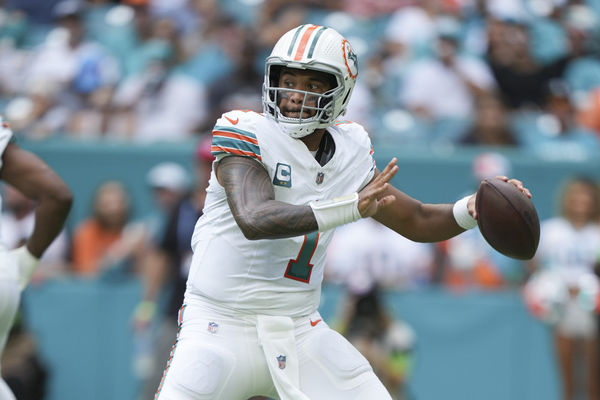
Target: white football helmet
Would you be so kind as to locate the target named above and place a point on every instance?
(311, 47)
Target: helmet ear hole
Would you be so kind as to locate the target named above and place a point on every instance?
(274, 74)
(333, 83)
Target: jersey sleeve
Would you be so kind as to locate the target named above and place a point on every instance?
(365, 158)
(234, 134)
(370, 164)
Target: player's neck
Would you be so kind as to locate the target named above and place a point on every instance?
(313, 140)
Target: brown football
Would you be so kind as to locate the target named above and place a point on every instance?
(507, 219)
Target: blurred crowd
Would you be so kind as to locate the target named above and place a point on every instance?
(512, 73)
(497, 73)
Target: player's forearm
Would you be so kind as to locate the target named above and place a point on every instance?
(423, 223)
(50, 215)
(274, 219)
(252, 201)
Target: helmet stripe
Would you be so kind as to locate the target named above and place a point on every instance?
(303, 42)
(294, 39)
(314, 43)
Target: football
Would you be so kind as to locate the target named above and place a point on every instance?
(507, 219)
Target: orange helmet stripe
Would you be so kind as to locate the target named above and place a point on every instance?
(303, 42)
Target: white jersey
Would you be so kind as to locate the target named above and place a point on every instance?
(272, 276)
(571, 252)
(10, 291)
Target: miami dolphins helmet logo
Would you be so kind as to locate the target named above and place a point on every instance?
(350, 59)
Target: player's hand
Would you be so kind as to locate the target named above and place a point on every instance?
(372, 196)
(471, 206)
(516, 182)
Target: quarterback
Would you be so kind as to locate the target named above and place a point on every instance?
(31, 176)
(281, 182)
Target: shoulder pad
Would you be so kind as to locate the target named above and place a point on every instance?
(234, 134)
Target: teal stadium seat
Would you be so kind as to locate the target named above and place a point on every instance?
(583, 75)
(449, 130)
(548, 40)
(396, 126)
(36, 35)
(244, 12)
(208, 65)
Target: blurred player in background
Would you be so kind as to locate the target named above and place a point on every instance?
(36, 180)
(16, 224)
(386, 341)
(569, 246)
(281, 183)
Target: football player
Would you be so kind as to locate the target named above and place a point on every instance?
(281, 182)
(36, 180)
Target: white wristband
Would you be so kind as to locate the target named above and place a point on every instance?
(461, 214)
(336, 212)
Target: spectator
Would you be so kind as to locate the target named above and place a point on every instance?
(372, 9)
(277, 17)
(413, 27)
(569, 245)
(521, 79)
(556, 132)
(582, 73)
(156, 102)
(104, 239)
(13, 31)
(169, 183)
(445, 86)
(239, 89)
(492, 124)
(588, 114)
(67, 67)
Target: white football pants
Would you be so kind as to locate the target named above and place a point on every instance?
(221, 357)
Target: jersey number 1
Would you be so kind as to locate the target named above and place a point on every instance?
(301, 268)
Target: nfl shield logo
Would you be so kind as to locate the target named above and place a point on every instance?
(320, 177)
(213, 327)
(281, 361)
